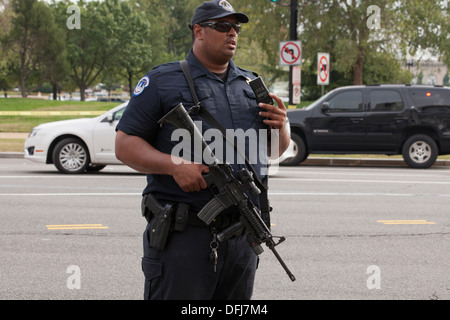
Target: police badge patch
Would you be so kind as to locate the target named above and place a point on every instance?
(142, 84)
(226, 5)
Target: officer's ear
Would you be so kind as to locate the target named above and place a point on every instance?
(197, 32)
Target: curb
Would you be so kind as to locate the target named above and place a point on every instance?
(372, 162)
(12, 155)
(312, 161)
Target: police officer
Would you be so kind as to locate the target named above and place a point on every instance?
(191, 264)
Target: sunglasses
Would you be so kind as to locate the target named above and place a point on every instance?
(221, 26)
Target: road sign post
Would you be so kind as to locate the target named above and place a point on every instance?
(291, 55)
(293, 37)
(296, 84)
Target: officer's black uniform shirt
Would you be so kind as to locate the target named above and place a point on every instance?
(232, 103)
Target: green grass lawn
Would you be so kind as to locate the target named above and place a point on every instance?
(27, 104)
(26, 123)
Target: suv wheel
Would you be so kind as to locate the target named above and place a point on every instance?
(71, 156)
(300, 153)
(420, 151)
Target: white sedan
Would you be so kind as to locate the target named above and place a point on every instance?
(76, 146)
(79, 145)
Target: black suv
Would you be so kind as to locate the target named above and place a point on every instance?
(412, 120)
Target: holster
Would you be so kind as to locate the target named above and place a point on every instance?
(164, 219)
(161, 219)
(171, 217)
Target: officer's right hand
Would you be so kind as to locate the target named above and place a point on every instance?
(189, 176)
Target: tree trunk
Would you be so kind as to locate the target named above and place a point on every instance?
(23, 86)
(358, 68)
(82, 93)
(130, 85)
(55, 91)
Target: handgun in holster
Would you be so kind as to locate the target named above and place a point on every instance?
(160, 218)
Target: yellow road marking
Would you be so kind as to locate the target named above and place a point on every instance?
(74, 226)
(405, 222)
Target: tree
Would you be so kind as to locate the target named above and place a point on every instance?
(33, 42)
(446, 80)
(176, 16)
(116, 38)
(57, 69)
(354, 31)
(258, 43)
(94, 45)
(365, 39)
(424, 25)
(5, 26)
(5, 18)
(140, 42)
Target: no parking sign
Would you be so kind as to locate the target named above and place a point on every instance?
(323, 68)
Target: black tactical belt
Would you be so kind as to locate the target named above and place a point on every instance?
(222, 221)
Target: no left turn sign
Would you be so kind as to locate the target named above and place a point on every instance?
(290, 53)
(323, 68)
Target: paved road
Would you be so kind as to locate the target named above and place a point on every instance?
(343, 238)
(352, 233)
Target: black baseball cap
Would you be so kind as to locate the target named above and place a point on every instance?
(216, 9)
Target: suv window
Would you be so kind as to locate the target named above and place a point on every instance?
(349, 101)
(385, 100)
(423, 97)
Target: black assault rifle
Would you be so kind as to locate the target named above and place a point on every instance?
(229, 189)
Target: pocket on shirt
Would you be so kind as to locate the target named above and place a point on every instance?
(252, 106)
(250, 98)
(203, 94)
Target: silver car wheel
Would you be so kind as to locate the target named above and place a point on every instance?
(420, 151)
(73, 157)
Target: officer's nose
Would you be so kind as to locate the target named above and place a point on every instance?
(232, 32)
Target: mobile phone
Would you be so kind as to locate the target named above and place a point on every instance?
(260, 90)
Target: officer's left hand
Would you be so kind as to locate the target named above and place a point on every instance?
(275, 114)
